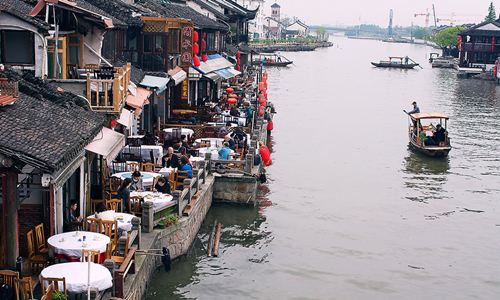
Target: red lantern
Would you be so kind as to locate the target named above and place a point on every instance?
(231, 101)
(264, 79)
(113, 122)
(264, 75)
(264, 153)
(203, 45)
(204, 57)
(262, 98)
(238, 61)
(493, 44)
(265, 94)
(238, 54)
(238, 68)
(196, 48)
(203, 35)
(233, 96)
(270, 126)
(495, 68)
(196, 61)
(459, 42)
(229, 90)
(261, 110)
(261, 86)
(195, 36)
(269, 162)
(265, 86)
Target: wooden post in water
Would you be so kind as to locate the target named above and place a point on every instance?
(210, 240)
(216, 242)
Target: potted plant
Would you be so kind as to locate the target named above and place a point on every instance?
(164, 220)
(172, 220)
(59, 295)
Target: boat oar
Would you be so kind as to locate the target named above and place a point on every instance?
(415, 63)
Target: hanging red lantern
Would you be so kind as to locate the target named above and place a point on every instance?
(238, 68)
(229, 90)
(261, 110)
(262, 98)
(270, 126)
(261, 86)
(238, 61)
(195, 36)
(233, 96)
(269, 162)
(204, 57)
(264, 79)
(265, 94)
(196, 61)
(113, 122)
(264, 153)
(203, 45)
(265, 86)
(238, 54)
(231, 101)
(264, 75)
(459, 42)
(196, 48)
(203, 35)
(495, 68)
(493, 44)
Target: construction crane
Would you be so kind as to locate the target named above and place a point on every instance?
(390, 24)
(426, 18)
(452, 19)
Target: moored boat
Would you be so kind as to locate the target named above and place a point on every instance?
(421, 135)
(275, 60)
(396, 62)
(444, 62)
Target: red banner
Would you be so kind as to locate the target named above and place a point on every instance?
(186, 45)
(184, 89)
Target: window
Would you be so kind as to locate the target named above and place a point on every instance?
(112, 47)
(17, 47)
(210, 42)
(173, 41)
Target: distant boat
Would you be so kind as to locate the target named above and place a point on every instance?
(275, 60)
(396, 62)
(444, 62)
(416, 130)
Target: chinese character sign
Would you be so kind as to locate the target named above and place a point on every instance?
(184, 89)
(186, 46)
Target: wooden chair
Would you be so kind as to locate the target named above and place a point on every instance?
(135, 205)
(155, 181)
(160, 134)
(114, 183)
(49, 291)
(71, 71)
(133, 166)
(120, 166)
(181, 175)
(110, 253)
(24, 288)
(114, 204)
(93, 225)
(111, 230)
(89, 68)
(150, 140)
(35, 261)
(59, 284)
(148, 167)
(8, 277)
(203, 145)
(77, 226)
(172, 180)
(40, 240)
(94, 256)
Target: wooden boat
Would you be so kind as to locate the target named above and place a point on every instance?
(415, 128)
(444, 62)
(396, 62)
(275, 60)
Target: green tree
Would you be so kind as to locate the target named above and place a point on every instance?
(446, 38)
(492, 16)
(321, 34)
(420, 33)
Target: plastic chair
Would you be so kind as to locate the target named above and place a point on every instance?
(35, 261)
(94, 256)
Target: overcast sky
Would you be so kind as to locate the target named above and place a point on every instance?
(349, 12)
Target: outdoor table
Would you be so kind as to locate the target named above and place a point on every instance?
(185, 131)
(145, 152)
(77, 276)
(165, 172)
(69, 245)
(213, 150)
(196, 161)
(157, 200)
(147, 177)
(124, 220)
(214, 142)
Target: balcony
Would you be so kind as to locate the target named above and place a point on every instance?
(107, 89)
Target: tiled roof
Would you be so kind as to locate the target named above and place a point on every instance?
(136, 74)
(171, 10)
(21, 10)
(128, 14)
(217, 13)
(45, 128)
(88, 6)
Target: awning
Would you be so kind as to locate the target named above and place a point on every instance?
(214, 62)
(227, 73)
(160, 83)
(125, 118)
(212, 76)
(107, 143)
(194, 74)
(61, 176)
(139, 99)
(177, 74)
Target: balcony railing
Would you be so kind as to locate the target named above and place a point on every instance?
(108, 95)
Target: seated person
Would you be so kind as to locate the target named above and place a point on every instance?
(124, 193)
(239, 136)
(100, 208)
(185, 166)
(225, 128)
(182, 149)
(162, 186)
(137, 184)
(438, 136)
(234, 112)
(184, 142)
(248, 110)
(225, 151)
(107, 215)
(230, 141)
(73, 207)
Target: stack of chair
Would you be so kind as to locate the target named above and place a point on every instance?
(35, 261)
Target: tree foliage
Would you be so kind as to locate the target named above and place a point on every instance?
(321, 34)
(446, 38)
(420, 33)
(492, 16)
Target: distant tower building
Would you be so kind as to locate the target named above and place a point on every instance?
(275, 11)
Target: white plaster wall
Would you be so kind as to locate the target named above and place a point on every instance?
(93, 39)
(6, 20)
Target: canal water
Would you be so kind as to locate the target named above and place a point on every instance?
(349, 210)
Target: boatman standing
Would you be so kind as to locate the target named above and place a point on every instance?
(415, 110)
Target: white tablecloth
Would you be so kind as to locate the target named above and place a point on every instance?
(213, 150)
(214, 142)
(124, 220)
(76, 274)
(72, 245)
(158, 199)
(166, 171)
(147, 177)
(157, 152)
(185, 131)
(196, 161)
(135, 136)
